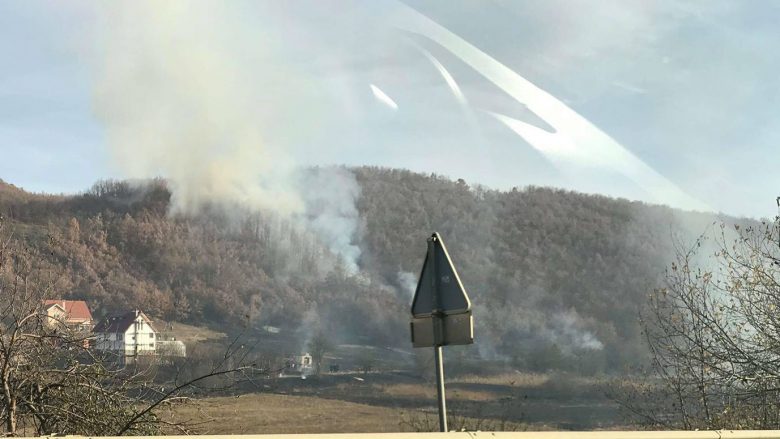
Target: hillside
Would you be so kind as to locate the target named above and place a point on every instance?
(557, 277)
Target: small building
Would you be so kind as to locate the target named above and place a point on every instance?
(129, 335)
(300, 363)
(271, 329)
(73, 314)
(171, 348)
(168, 345)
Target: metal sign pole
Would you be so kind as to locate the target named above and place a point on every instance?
(439, 359)
(438, 336)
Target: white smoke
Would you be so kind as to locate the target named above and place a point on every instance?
(330, 197)
(408, 283)
(310, 325)
(567, 329)
(175, 103)
(182, 94)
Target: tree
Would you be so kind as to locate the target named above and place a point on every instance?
(366, 360)
(319, 345)
(714, 335)
(52, 382)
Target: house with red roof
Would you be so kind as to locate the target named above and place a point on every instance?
(73, 314)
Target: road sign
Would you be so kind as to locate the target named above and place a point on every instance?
(439, 290)
(456, 329)
(441, 313)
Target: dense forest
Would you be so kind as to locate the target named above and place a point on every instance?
(557, 278)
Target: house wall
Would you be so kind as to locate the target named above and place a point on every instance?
(140, 338)
(108, 341)
(55, 316)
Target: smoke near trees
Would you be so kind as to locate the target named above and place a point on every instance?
(555, 276)
(713, 334)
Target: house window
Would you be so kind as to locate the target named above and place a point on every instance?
(151, 345)
(151, 335)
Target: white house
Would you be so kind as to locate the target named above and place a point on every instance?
(300, 363)
(130, 334)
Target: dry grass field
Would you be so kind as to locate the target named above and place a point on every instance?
(279, 414)
(392, 402)
(189, 334)
(270, 413)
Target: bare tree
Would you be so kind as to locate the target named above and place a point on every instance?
(318, 347)
(714, 335)
(52, 382)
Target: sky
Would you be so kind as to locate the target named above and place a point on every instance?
(668, 102)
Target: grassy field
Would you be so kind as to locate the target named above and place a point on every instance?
(269, 413)
(187, 333)
(279, 414)
(396, 402)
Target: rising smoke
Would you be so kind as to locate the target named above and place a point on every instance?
(175, 103)
(330, 198)
(180, 98)
(183, 94)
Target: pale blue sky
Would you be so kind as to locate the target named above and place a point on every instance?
(690, 88)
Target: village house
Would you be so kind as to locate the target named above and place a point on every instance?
(128, 335)
(73, 314)
(299, 364)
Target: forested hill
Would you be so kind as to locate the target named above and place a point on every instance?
(553, 275)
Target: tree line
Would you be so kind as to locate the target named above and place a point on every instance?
(557, 278)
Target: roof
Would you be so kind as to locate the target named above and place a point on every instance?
(75, 310)
(121, 323)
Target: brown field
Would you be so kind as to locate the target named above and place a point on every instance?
(516, 379)
(429, 393)
(279, 414)
(385, 402)
(190, 334)
(269, 413)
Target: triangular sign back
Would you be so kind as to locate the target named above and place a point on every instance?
(439, 287)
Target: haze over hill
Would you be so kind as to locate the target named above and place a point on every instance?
(554, 275)
(263, 176)
(672, 97)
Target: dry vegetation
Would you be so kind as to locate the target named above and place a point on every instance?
(514, 379)
(378, 402)
(279, 414)
(189, 333)
(428, 392)
(268, 413)
(549, 267)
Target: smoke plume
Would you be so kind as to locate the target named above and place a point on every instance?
(183, 93)
(178, 100)
(408, 283)
(330, 196)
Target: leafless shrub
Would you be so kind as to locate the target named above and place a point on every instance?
(53, 383)
(714, 334)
